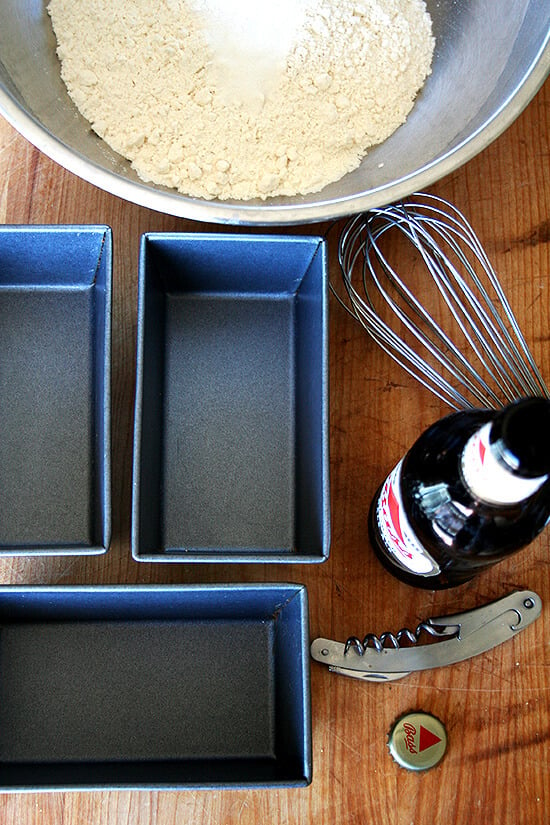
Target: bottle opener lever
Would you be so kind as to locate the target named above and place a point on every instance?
(454, 638)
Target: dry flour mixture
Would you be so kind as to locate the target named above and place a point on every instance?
(243, 98)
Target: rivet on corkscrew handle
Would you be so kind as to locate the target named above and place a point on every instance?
(458, 637)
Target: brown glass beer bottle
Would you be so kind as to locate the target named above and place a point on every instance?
(472, 490)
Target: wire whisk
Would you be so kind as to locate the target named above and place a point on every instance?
(475, 354)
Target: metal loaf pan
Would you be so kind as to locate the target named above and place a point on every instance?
(231, 444)
(166, 687)
(55, 318)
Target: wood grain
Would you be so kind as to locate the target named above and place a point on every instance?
(495, 707)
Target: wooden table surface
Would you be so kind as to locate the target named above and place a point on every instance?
(495, 706)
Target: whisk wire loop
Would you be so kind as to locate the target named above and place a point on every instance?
(430, 258)
(472, 297)
(351, 250)
(458, 295)
(488, 314)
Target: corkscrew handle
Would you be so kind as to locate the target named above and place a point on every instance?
(459, 637)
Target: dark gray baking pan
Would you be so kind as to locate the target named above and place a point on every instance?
(167, 687)
(231, 415)
(55, 318)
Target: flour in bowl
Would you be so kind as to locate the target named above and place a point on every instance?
(243, 99)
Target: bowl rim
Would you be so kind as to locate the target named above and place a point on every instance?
(250, 213)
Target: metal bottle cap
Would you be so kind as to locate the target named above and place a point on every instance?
(418, 741)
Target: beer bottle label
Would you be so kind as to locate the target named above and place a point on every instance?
(396, 532)
(487, 478)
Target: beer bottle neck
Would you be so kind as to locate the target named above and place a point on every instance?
(489, 476)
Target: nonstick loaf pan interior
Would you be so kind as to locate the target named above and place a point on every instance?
(55, 315)
(158, 687)
(231, 445)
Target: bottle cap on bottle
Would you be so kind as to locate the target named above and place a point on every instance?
(520, 436)
(418, 741)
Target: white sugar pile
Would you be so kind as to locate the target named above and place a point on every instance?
(228, 99)
(249, 42)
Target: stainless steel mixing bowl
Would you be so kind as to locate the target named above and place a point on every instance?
(490, 59)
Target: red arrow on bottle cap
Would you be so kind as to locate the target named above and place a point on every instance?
(427, 739)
